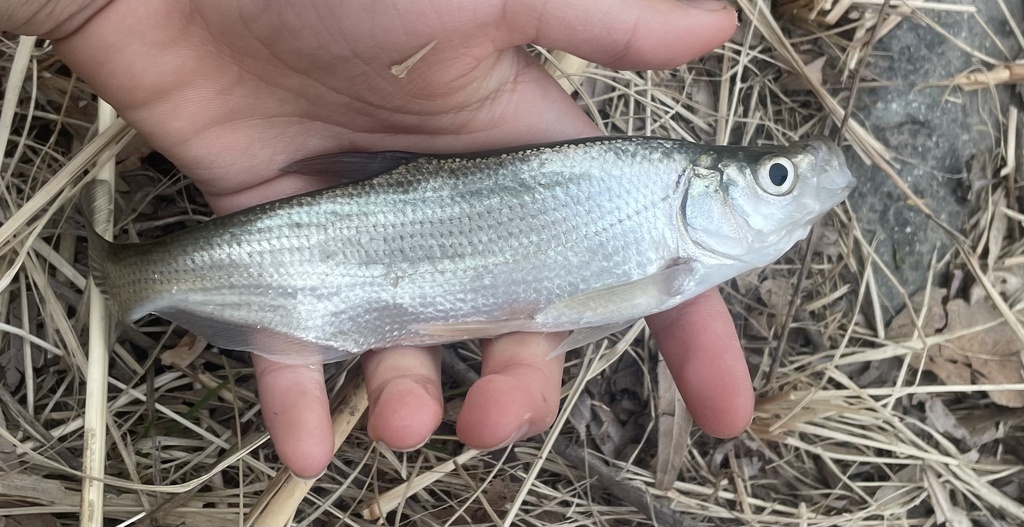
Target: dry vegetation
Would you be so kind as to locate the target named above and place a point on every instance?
(860, 420)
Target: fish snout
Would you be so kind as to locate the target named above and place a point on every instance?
(830, 168)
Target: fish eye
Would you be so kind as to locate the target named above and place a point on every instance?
(776, 176)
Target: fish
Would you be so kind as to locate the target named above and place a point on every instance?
(410, 249)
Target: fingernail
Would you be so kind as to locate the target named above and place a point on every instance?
(516, 436)
(707, 5)
(312, 480)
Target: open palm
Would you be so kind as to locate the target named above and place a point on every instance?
(233, 90)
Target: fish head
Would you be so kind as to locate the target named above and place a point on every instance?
(753, 204)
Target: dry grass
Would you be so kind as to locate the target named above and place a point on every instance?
(860, 422)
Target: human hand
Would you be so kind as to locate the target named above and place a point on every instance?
(232, 90)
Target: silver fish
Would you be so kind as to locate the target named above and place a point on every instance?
(413, 249)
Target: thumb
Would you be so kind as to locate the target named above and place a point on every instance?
(623, 34)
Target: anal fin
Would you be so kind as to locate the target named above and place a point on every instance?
(269, 343)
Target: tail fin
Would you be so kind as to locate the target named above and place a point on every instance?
(99, 196)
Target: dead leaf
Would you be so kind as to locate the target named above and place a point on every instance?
(758, 324)
(815, 76)
(826, 241)
(746, 282)
(993, 354)
(12, 360)
(580, 413)
(988, 424)
(607, 431)
(32, 520)
(777, 294)
(702, 95)
(130, 157)
(903, 486)
(903, 325)
(979, 176)
(8, 453)
(997, 229)
(674, 424)
(941, 419)
(498, 494)
(1008, 284)
(981, 355)
(185, 352)
(946, 513)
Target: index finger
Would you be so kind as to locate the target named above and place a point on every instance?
(698, 341)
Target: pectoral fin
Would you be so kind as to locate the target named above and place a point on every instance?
(582, 337)
(483, 329)
(634, 299)
(589, 313)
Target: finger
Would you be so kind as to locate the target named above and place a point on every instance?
(624, 34)
(297, 414)
(699, 344)
(518, 392)
(404, 387)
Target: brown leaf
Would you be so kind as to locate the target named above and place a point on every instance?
(941, 419)
(997, 229)
(580, 414)
(748, 281)
(979, 356)
(185, 352)
(130, 157)
(903, 325)
(674, 423)
(607, 431)
(814, 77)
(702, 95)
(8, 453)
(994, 354)
(827, 240)
(777, 294)
(900, 487)
(1008, 283)
(32, 520)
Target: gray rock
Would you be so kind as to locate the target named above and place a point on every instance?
(933, 136)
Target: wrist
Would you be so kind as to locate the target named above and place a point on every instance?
(50, 19)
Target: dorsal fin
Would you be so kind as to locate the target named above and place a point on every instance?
(351, 167)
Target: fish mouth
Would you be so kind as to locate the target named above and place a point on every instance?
(830, 168)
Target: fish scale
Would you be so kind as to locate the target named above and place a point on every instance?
(433, 249)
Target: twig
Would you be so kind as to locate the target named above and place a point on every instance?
(635, 495)
(794, 304)
(36, 430)
(860, 70)
(453, 366)
(94, 447)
